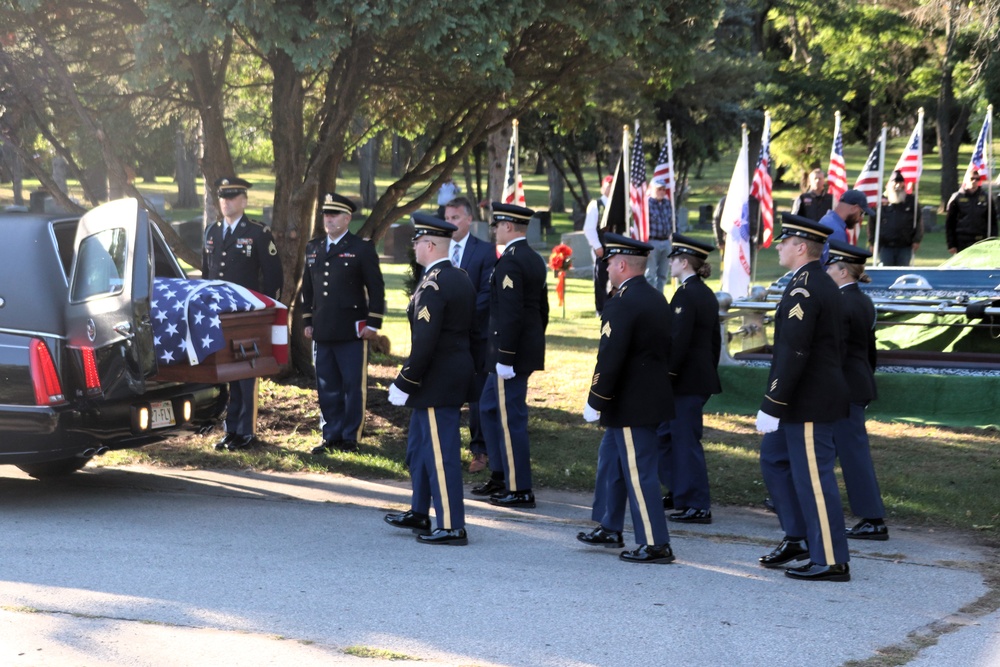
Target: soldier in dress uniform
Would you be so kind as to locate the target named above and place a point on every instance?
(343, 303)
(241, 251)
(519, 313)
(435, 381)
(630, 395)
(846, 265)
(806, 394)
(694, 363)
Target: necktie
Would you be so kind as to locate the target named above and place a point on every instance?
(225, 234)
(454, 255)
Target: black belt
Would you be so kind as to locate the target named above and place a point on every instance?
(659, 238)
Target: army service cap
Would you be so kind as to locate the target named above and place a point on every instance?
(616, 244)
(519, 215)
(334, 204)
(805, 228)
(847, 253)
(231, 186)
(685, 245)
(425, 224)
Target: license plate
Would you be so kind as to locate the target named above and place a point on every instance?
(161, 414)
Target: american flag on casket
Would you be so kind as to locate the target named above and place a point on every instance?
(187, 324)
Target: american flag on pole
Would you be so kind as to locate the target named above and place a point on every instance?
(637, 189)
(836, 176)
(664, 169)
(979, 161)
(513, 187)
(187, 324)
(736, 223)
(870, 177)
(760, 189)
(911, 162)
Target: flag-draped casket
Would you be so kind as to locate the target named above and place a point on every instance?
(215, 331)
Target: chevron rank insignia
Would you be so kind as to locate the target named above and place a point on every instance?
(796, 311)
(774, 385)
(424, 314)
(508, 282)
(606, 330)
(597, 376)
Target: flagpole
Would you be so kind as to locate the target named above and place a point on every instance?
(673, 180)
(920, 168)
(517, 171)
(878, 211)
(755, 248)
(989, 174)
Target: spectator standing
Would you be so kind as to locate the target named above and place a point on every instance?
(592, 230)
(241, 251)
(816, 201)
(661, 226)
(900, 229)
(970, 218)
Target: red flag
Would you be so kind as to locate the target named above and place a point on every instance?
(760, 189)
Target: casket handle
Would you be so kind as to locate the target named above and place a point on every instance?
(241, 346)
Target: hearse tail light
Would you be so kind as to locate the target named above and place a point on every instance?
(187, 409)
(141, 417)
(91, 378)
(48, 389)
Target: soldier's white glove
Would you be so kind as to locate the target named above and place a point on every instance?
(397, 396)
(590, 415)
(506, 372)
(766, 423)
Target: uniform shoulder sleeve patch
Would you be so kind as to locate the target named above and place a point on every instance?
(799, 290)
(272, 249)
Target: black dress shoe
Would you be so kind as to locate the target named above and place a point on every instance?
(346, 445)
(692, 515)
(490, 487)
(816, 572)
(413, 520)
(514, 499)
(786, 552)
(224, 443)
(242, 442)
(668, 501)
(599, 537)
(649, 553)
(324, 447)
(455, 538)
(769, 505)
(866, 530)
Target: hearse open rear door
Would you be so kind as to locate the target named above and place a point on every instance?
(111, 286)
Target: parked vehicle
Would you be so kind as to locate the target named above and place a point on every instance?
(76, 340)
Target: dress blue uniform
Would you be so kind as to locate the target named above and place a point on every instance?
(631, 390)
(519, 314)
(342, 292)
(247, 256)
(694, 362)
(850, 434)
(477, 261)
(438, 378)
(807, 391)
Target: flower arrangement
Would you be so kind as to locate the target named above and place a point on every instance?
(561, 258)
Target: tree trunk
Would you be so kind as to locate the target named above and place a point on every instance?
(498, 144)
(952, 118)
(184, 171)
(367, 166)
(557, 201)
(15, 169)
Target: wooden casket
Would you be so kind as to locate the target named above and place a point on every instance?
(237, 345)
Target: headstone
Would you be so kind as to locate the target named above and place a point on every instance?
(929, 216)
(397, 243)
(481, 230)
(582, 258)
(682, 219)
(36, 200)
(59, 169)
(159, 204)
(191, 233)
(705, 216)
(534, 231)
(578, 216)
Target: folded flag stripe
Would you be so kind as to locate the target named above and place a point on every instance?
(187, 322)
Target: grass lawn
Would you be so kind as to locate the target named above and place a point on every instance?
(929, 475)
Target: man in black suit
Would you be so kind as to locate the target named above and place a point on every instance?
(435, 381)
(343, 303)
(519, 313)
(806, 394)
(630, 395)
(241, 251)
(476, 257)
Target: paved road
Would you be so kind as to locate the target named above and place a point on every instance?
(149, 566)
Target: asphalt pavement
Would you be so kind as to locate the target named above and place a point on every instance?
(156, 566)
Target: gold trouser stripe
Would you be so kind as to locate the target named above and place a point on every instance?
(256, 402)
(824, 519)
(508, 447)
(364, 388)
(439, 466)
(633, 473)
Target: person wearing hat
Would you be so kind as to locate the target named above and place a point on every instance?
(969, 216)
(806, 394)
(519, 314)
(816, 201)
(593, 232)
(849, 212)
(630, 395)
(241, 251)
(435, 381)
(846, 265)
(343, 303)
(661, 226)
(696, 343)
(900, 228)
